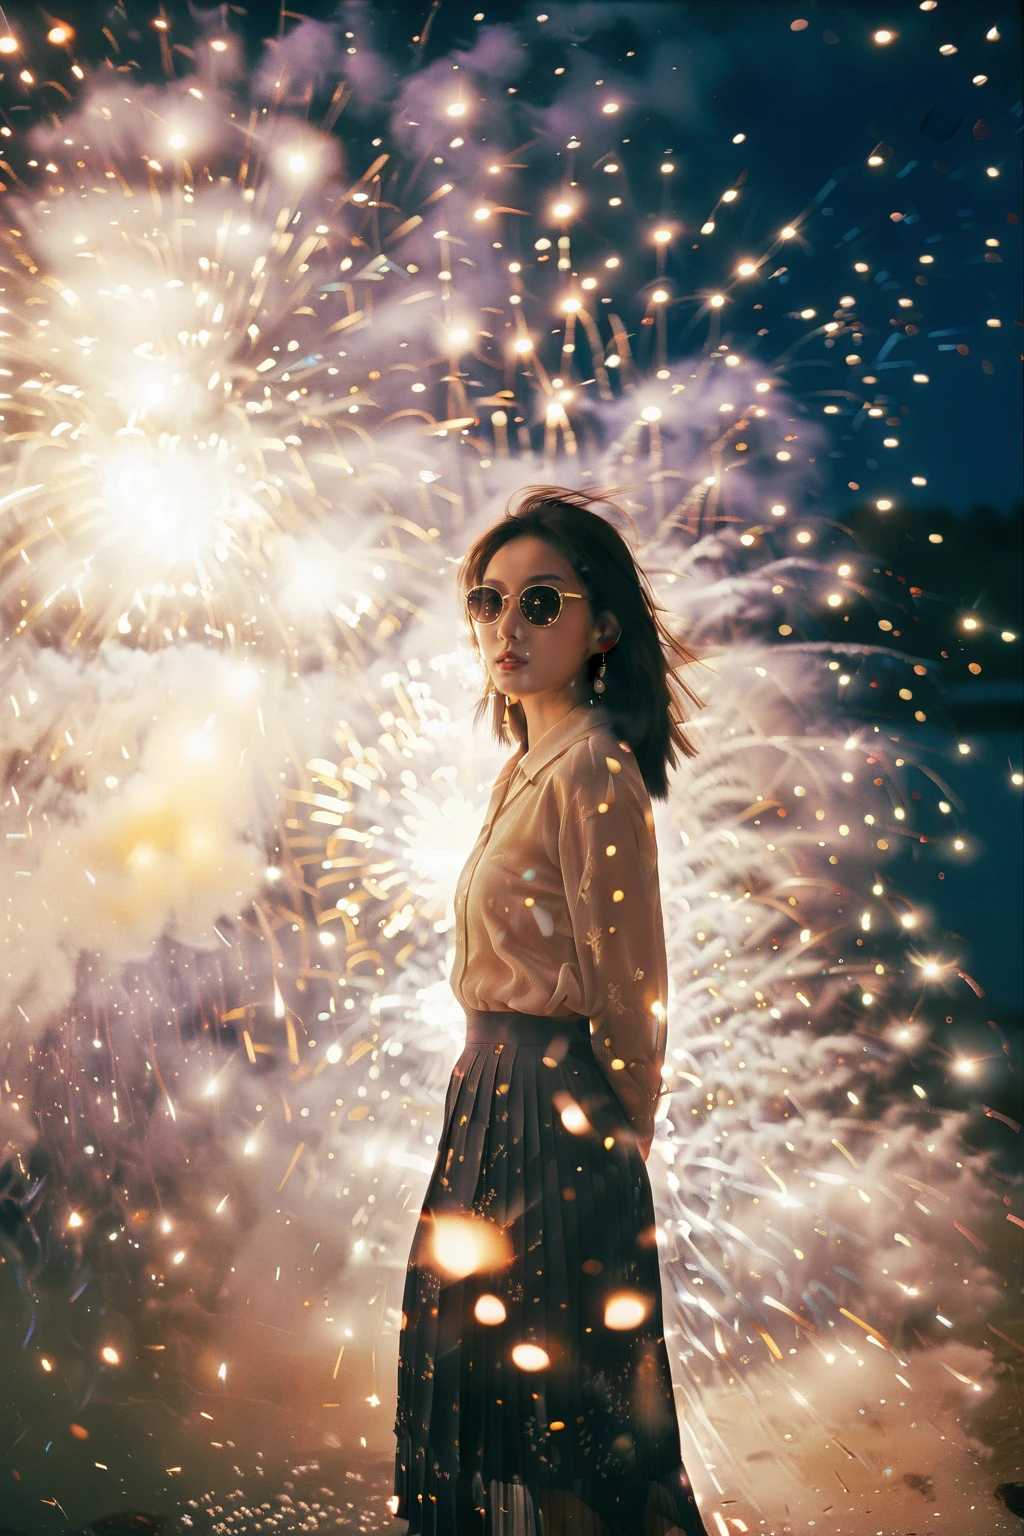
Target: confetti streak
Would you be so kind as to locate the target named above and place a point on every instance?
(773, 1348)
(874, 1333)
(977, 1242)
(1005, 1336)
(994, 1114)
(769, 1301)
(291, 1166)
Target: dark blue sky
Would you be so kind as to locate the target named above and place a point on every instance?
(814, 103)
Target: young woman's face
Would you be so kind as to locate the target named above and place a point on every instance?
(553, 659)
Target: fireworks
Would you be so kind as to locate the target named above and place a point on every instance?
(258, 392)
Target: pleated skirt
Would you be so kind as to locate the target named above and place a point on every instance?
(533, 1373)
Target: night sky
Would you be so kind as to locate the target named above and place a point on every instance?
(814, 104)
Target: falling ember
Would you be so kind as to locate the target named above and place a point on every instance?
(624, 1311)
(222, 1372)
(463, 1245)
(574, 1119)
(489, 1310)
(109, 1355)
(530, 1357)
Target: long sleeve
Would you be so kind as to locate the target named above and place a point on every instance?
(609, 866)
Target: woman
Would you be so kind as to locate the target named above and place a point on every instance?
(534, 1392)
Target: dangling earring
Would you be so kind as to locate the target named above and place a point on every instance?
(505, 718)
(599, 683)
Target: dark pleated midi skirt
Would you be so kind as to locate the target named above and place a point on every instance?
(532, 1355)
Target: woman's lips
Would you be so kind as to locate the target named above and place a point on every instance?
(511, 664)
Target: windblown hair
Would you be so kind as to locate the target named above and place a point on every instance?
(644, 692)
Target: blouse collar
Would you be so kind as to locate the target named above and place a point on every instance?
(579, 722)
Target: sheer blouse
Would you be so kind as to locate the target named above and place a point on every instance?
(558, 907)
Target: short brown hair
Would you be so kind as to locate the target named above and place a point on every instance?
(643, 688)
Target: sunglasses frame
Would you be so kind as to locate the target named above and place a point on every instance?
(505, 597)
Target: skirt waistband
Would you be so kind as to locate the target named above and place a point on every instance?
(525, 1029)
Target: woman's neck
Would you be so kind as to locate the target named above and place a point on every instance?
(542, 715)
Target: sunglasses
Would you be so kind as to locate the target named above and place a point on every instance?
(539, 605)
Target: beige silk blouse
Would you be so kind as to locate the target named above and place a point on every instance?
(558, 907)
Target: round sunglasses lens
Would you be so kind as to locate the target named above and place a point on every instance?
(541, 605)
(484, 604)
